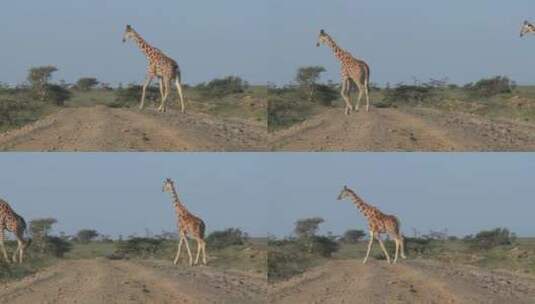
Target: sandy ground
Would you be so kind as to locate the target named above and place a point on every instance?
(100, 128)
(349, 281)
(104, 281)
(403, 130)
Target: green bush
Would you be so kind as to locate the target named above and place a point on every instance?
(132, 95)
(140, 247)
(408, 94)
(325, 94)
(86, 83)
(57, 94)
(222, 87)
(322, 246)
(352, 236)
(488, 239)
(226, 238)
(56, 246)
(489, 87)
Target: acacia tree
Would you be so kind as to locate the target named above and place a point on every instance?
(86, 235)
(306, 228)
(307, 78)
(39, 230)
(39, 78)
(353, 236)
(86, 83)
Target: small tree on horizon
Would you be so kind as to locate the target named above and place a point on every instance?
(307, 78)
(308, 227)
(353, 236)
(86, 235)
(38, 77)
(86, 83)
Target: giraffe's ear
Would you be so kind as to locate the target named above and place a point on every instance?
(322, 32)
(345, 187)
(128, 27)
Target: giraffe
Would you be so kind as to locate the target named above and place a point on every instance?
(378, 223)
(527, 28)
(188, 224)
(160, 66)
(11, 221)
(352, 70)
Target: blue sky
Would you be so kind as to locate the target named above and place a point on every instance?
(267, 40)
(120, 193)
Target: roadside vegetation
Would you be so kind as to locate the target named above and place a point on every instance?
(230, 249)
(41, 94)
(493, 97)
(490, 249)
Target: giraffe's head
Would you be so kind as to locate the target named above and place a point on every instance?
(167, 185)
(344, 193)
(322, 38)
(527, 28)
(129, 33)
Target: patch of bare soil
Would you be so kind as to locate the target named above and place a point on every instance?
(104, 281)
(349, 281)
(403, 130)
(100, 128)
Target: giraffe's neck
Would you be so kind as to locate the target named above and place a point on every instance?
(338, 51)
(180, 208)
(359, 202)
(147, 49)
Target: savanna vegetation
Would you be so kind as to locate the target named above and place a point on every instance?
(226, 249)
(494, 97)
(491, 249)
(41, 94)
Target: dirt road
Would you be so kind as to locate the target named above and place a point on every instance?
(100, 128)
(104, 281)
(403, 130)
(349, 281)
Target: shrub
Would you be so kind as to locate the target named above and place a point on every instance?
(132, 94)
(408, 94)
(489, 87)
(221, 87)
(319, 245)
(306, 228)
(488, 239)
(226, 238)
(56, 246)
(57, 94)
(419, 246)
(325, 94)
(86, 235)
(307, 78)
(352, 236)
(138, 246)
(86, 83)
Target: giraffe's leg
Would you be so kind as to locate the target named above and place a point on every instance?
(345, 95)
(144, 91)
(384, 249)
(178, 251)
(161, 88)
(204, 252)
(199, 248)
(163, 105)
(402, 246)
(357, 106)
(19, 248)
(189, 253)
(396, 240)
(4, 252)
(179, 90)
(372, 236)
